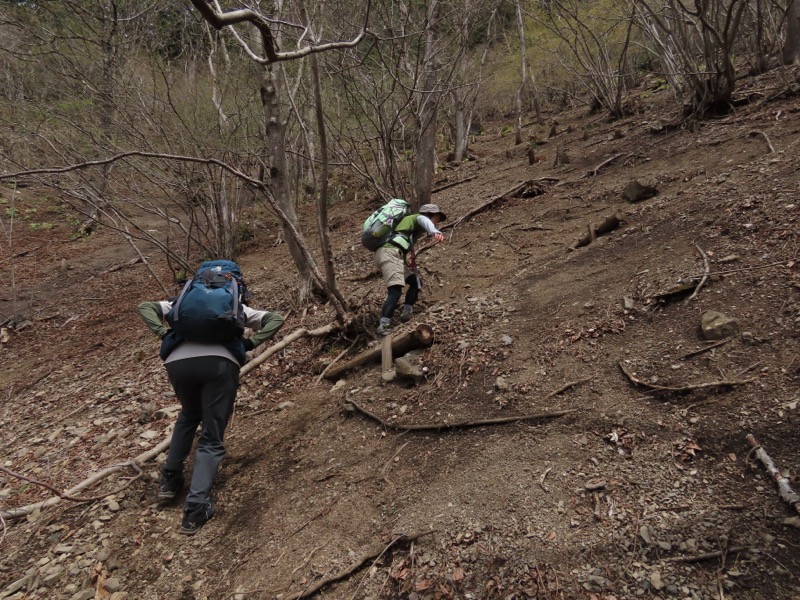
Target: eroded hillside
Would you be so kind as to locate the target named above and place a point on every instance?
(636, 491)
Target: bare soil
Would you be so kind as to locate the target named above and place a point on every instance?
(608, 501)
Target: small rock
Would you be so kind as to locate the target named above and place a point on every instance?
(113, 505)
(285, 405)
(501, 384)
(150, 434)
(405, 368)
(84, 595)
(656, 581)
(507, 341)
(120, 596)
(636, 192)
(627, 303)
(111, 585)
(337, 387)
(717, 326)
(63, 549)
(388, 376)
(729, 259)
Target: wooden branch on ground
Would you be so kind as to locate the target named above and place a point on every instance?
(65, 495)
(292, 337)
(373, 552)
(567, 386)
(337, 359)
(785, 490)
(16, 513)
(461, 425)
(144, 457)
(495, 199)
(706, 349)
(606, 162)
(769, 144)
(446, 186)
(705, 273)
(609, 224)
(684, 388)
(417, 338)
(121, 266)
(708, 555)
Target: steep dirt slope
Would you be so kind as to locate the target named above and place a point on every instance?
(603, 502)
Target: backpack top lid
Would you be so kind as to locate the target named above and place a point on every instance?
(221, 266)
(392, 211)
(226, 267)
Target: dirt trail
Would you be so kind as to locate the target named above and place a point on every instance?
(605, 502)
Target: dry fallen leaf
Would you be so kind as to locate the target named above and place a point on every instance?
(551, 536)
(458, 574)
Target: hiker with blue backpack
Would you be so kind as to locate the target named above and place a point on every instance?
(203, 347)
(391, 232)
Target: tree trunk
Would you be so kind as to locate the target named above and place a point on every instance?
(278, 177)
(460, 131)
(791, 48)
(425, 157)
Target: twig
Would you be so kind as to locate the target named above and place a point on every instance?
(542, 478)
(567, 386)
(375, 552)
(513, 247)
(705, 274)
(729, 271)
(759, 132)
(461, 425)
(784, 488)
(706, 349)
(684, 388)
(321, 513)
(708, 555)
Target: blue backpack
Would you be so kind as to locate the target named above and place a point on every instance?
(209, 309)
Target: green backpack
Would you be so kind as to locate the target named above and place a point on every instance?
(379, 226)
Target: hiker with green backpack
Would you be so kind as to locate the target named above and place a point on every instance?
(203, 349)
(392, 233)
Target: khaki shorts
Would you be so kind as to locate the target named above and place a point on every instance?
(391, 262)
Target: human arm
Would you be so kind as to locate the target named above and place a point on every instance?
(152, 313)
(268, 323)
(429, 227)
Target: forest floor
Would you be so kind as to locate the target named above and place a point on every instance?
(636, 492)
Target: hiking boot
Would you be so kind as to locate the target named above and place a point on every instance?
(195, 516)
(405, 315)
(171, 485)
(384, 327)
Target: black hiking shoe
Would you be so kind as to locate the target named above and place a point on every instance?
(171, 485)
(195, 516)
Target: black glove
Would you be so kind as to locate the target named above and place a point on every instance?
(248, 345)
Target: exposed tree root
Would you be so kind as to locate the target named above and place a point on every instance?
(461, 425)
(708, 555)
(372, 553)
(683, 388)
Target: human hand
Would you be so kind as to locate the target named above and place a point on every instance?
(438, 237)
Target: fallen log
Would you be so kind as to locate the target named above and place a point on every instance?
(410, 340)
(608, 225)
(785, 490)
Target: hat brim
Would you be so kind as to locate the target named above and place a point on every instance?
(440, 213)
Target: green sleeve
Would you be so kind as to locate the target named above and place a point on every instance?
(270, 324)
(153, 318)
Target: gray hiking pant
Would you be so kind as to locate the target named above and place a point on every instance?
(206, 388)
